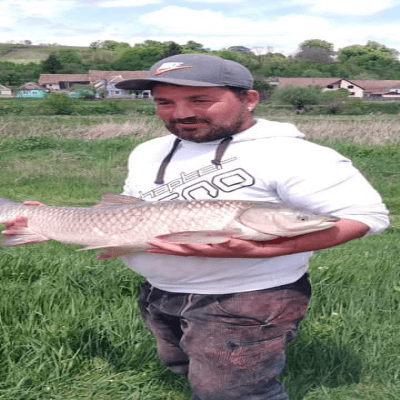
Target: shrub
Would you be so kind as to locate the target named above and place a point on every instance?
(298, 96)
(58, 104)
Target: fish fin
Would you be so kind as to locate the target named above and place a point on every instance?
(113, 199)
(24, 236)
(115, 252)
(208, 237)
(251, 219)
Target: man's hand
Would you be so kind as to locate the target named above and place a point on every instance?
(19, 222)
(232, 248)
(344, 231)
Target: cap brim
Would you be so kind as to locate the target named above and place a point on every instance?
(147, 84)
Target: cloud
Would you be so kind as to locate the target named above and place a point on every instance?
(127, 3)
(348, 7)
(216, 1)
(19, 9)
(203, 23)
(6, 20)
(215, 30)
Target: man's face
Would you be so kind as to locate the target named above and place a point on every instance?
(202, 114)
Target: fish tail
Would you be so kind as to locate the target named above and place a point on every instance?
(22, 236)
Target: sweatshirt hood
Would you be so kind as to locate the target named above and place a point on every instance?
(262, 129)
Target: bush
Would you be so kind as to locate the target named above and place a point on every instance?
(58, 104)
(298, 96)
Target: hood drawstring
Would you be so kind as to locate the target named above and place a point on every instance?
(223, 145)
(221, 150)
(160, 175)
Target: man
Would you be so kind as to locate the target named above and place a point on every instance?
(223, 313)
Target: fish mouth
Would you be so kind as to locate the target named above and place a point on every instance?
(331, 218)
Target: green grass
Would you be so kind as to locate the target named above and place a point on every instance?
(24, 54)
(70, 327)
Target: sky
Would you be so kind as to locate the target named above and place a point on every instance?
(279, 26)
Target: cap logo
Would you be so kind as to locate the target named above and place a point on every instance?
(171, 66)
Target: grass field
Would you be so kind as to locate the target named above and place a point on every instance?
(36, 53)
(70, 327)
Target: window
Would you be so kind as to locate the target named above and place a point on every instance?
(350, 87)
(330, 86)
(117, 92)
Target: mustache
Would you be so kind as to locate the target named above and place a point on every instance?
(189, 120)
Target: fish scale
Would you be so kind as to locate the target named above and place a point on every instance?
(123, 225)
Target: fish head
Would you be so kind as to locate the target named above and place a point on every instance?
(285, 221)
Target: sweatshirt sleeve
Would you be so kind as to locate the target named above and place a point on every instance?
(327, 182)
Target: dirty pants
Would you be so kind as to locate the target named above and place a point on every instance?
(231, 346)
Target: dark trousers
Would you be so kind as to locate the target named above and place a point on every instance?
(231, 346)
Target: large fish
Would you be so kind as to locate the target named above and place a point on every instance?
(122, 225)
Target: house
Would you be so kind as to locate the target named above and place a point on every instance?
(5, 91)
(106, 80)
(355, 89)
(31, 90)
(367, 89)
(101, 80)
(62, 81)
(380, 89)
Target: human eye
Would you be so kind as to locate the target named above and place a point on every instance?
(162, 102)
(201, 101)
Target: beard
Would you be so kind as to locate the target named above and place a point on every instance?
(208, 133)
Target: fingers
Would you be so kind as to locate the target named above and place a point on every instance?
(18, 222)
(171, 248)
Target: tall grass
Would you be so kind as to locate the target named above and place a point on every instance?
(70, 327)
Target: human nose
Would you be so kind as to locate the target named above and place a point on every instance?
(182, 110)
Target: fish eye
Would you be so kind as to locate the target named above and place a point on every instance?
(303, 218)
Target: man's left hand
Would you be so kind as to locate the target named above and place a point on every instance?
(345, 230)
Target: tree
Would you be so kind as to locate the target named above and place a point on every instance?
(372, 51)
(95, 45)
(139, 57)
(52, 65)
(171, 49)
(264, 88)
(335, 101)
(316, 43)
(316, 51)
(113, 45)
(240, 49)
(193, 47)
(298, 96)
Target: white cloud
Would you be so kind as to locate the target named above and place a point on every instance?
(127, 3)
(216, 1)
(348, 7)
(203, 23)
(19, 9)
(215, 30)
(6, 20)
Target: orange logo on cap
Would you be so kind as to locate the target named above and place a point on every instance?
(172, 66)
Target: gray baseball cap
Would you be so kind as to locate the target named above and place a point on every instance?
(192, 70)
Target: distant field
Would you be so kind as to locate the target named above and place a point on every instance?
(70, 327)
(26, 54)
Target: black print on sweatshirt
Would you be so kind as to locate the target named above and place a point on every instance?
(201, 184)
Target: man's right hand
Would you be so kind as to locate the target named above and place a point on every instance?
(19, 222)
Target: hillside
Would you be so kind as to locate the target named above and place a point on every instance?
(23, 54)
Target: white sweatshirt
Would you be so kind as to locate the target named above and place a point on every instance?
(268, 162)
